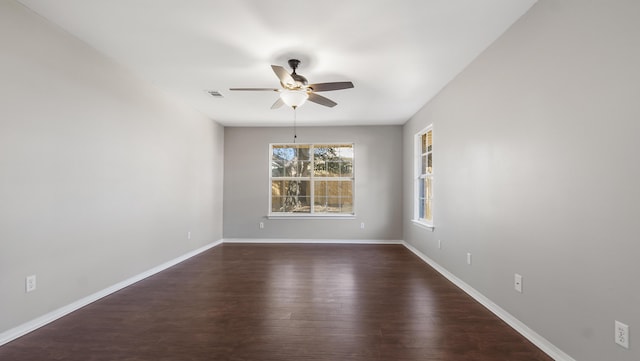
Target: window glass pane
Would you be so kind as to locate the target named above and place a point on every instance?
(423, 170)
(295, 196)
(333, 160)
(347, 205)
(321, 194)
(423, 138)
(277, 188)
(290, 161)
(333, 196)
(277, 168)
(346, 168)
(333, 204)
(428, 216)
(276, 204)
(301, 205)
(290, 152)
(429, 163)
(323, 154)
(421, 193)
(346, 158)
(319, 168)
(333, 189)
(306, 168)
(282, 152)
(325, 151)
(297, 168)
(346, 188)
(429, 141)
(303, 152)
(426, 199)
(334, 169)
(345, 152)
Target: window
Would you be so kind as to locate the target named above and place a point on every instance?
(423, 208)
(311, 180)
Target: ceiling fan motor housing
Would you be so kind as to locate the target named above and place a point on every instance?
(300, 80)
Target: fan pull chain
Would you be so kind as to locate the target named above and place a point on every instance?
(295, 131)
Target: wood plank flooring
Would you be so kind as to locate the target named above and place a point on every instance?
(304, 302)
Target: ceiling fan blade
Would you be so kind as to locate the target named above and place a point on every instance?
(323, 87)
(277, 104)
(283, 75)
(319, 99)
(255, 89)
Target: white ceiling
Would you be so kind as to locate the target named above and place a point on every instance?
(398, 53)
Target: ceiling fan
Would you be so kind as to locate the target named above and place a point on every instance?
(296, 89)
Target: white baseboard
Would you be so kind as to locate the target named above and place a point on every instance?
(320, 241)
(542, 343)
(32, 325)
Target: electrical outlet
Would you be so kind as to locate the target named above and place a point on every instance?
(362, 225)
(468, 258)
(261, 225)
(622, 334)
(30, 283)
(517, 284)
(439, 244)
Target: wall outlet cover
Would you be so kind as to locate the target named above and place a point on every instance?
(621, 334)
(30, 283)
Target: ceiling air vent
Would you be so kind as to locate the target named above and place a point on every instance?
(214, 93)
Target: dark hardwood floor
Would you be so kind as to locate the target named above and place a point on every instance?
(283, 303)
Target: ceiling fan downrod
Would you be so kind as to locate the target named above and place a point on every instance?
(293, 63)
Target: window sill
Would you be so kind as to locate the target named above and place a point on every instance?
(302, 216)
(420, 224)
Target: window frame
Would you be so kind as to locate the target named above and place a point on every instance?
(312, 179)
(419, 177)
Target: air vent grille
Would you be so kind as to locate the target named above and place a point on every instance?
(214, 93)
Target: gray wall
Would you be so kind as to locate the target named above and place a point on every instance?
(101, 176)
(378, 188)
(537, 172)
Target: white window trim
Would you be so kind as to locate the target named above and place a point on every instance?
(275, 216)
(283, 215)
(424, 225)
(417, 175)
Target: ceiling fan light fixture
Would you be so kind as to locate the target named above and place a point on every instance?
(294, 98)
(296, 90)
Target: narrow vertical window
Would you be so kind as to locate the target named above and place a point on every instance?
(423, 208)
